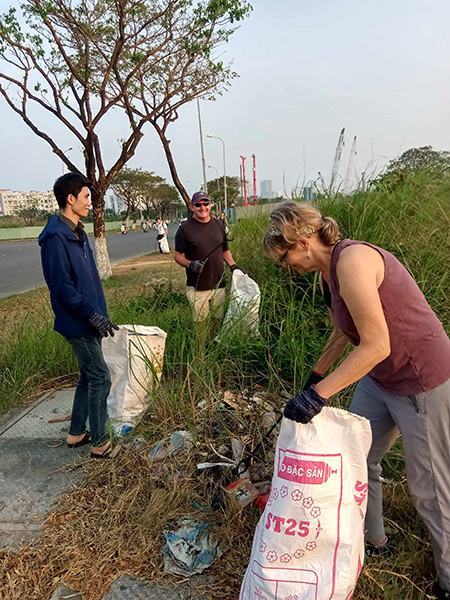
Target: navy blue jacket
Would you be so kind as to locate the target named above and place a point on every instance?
(72, 278)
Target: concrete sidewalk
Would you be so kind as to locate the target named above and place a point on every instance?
(31, 470)
(32, 476)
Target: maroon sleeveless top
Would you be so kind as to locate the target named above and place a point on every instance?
(420, 348)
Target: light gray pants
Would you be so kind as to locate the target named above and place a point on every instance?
(423, 420)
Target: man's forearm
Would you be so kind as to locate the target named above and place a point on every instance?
(181, 260)
(335, 347)
(228, 258)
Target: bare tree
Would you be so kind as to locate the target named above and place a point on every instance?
(80, 60)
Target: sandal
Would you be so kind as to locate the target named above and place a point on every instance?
(84, 440)
(105, 454)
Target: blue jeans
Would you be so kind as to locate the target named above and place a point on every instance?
(92, 390)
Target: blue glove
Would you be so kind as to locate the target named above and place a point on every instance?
(304, 406)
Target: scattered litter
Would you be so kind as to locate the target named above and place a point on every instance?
(243, 491)
(178, 441)
(233, 400)
(261, 500)
(134, 442)
(190, 549)
(60, 419)
(268, 419)
(122, 429)
(181, 440)
(209, 465)
(54, 443)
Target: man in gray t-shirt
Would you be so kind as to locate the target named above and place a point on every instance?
(201, 247)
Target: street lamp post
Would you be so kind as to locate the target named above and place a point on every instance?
(218, 182)
(216, 137)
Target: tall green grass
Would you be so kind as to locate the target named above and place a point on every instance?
(412, 222)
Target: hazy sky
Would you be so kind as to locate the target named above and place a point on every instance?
(378, 67)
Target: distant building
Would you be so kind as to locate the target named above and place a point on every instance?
(12, 201)
(309, 193)
(266, 189)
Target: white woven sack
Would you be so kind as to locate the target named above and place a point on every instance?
(164, 245)
(309, 542)
(243, 309)
(135, 358)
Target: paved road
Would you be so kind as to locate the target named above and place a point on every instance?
(20, 264)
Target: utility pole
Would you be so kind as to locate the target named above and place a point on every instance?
(225, 200)
(205, 183)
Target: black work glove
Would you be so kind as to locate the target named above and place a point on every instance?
(304, 406)
(103, 325)
(234, 267)
(196, 266)
(313, 378)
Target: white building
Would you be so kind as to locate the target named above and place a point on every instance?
(266, 189)
(11, 201)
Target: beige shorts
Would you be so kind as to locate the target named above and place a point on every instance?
(204, 302)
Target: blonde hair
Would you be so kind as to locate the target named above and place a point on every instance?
(292, 221)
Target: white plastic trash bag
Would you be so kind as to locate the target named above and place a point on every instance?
(135, 358)
(164, 245)
(243, 309)
(309, 542)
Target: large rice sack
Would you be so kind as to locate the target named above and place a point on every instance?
(309, 542)
(135, 359)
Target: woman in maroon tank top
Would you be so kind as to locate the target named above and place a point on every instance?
(400, 359)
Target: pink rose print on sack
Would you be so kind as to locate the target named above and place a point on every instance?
(315, 512)
(285, 558)
(272, 556)
(296, 495)
(308, 502)
(311, 546)
(263, 547)
(291, 597)
(284, 491)
(259, 594)
(299, 553)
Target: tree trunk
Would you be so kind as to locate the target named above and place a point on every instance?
(101, 249)
(173, 170)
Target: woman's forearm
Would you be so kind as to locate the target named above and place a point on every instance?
(357, 364)
(335, 347)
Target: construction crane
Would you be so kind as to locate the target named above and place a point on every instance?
(351, 162)
(243, 181)
(255, 195)
(322, 181)
(337, 159)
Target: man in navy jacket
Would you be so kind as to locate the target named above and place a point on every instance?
(80, 309)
